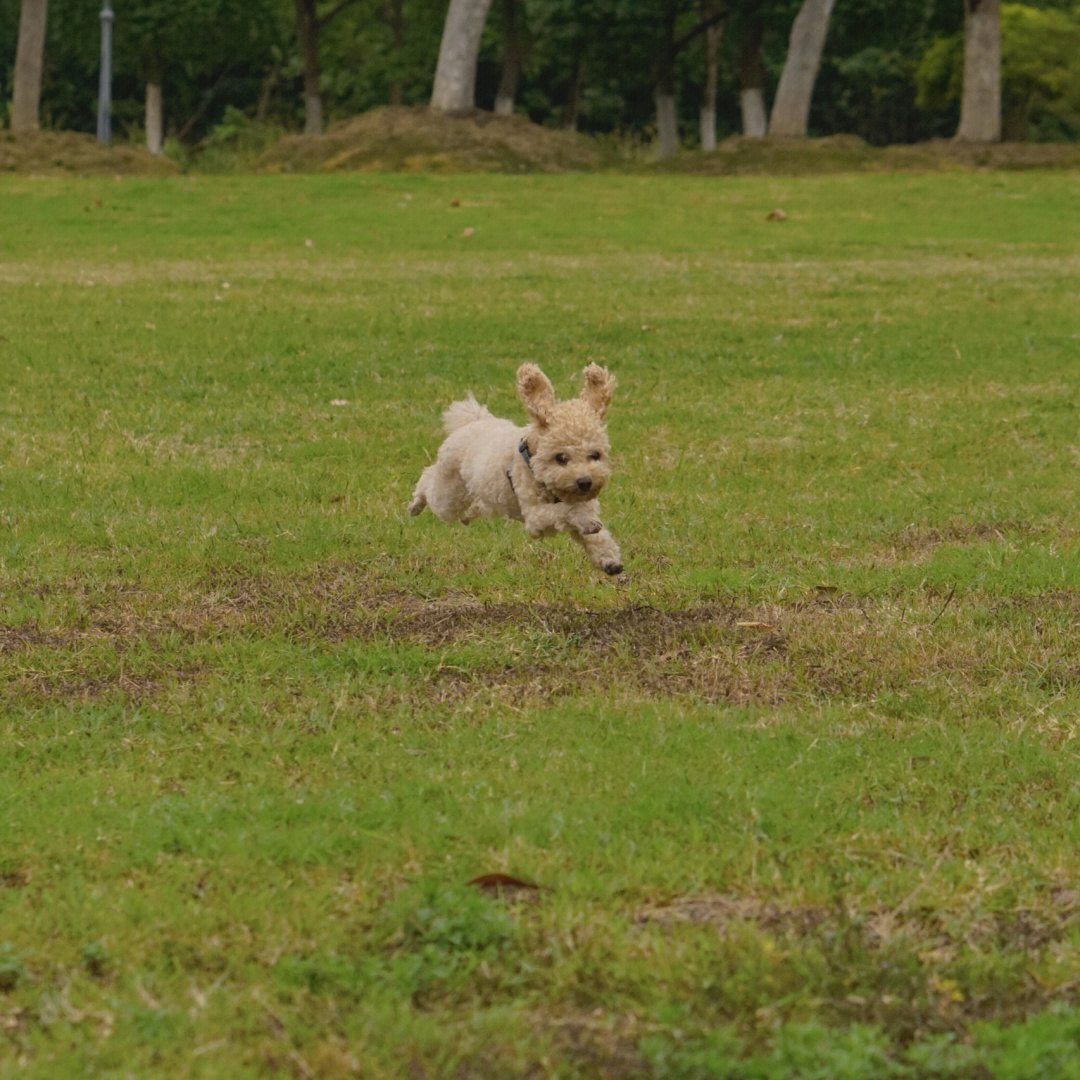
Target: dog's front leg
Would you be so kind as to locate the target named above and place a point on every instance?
(601, 549)
(543, 519)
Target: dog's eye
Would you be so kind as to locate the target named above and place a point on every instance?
(595, 455)
(562, 459)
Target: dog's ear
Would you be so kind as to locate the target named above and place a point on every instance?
(537, 393)
(598, 389)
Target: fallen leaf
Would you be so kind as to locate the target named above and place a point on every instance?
(755, 624)
(499, 883)
(776, 215)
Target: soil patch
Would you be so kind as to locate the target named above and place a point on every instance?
(41, 686)
(403, 139)
(43, 153)
(1022, 928)
(918, 543)
(424, 652)
(872, 942)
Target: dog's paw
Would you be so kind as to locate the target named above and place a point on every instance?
(417, 505)
(583, 522)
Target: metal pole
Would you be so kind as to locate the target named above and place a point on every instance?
(104, 131)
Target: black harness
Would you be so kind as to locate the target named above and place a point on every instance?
(526, 453)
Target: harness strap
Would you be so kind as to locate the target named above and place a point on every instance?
(526, 453)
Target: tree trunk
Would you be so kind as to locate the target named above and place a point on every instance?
(266, 94)
(575, 90)
(980, 101)
(394, 15)
(791, 109)
(155, 140)
(153, 118)
(752, 83)
(455, 73)
(513, 60)
(308, 29)
(754, 115)
(667, 113)
(667, 124)
(712, 72)
(29, 59)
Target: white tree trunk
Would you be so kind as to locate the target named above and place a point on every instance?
(980, 101)
(504, 106)
(791, 109)
(712, 78)
(155, 129)
(313, 114)
(708, 128)
(455, 73)
(29, 58)
(667, 125)
(754, 119)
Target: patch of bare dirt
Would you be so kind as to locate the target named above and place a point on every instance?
(69, 686)
(49, 152)
(715, 652)
(821, 645)
(878, 940)
(600, 1044)
(1022, 928)
(404, 139)
(29, 635)
(916, 543)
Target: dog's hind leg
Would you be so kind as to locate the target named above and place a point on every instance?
(442, 488)
(419, 498)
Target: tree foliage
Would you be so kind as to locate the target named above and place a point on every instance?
(890, 71)
(1040, 73)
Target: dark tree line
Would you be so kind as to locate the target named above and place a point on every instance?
(679, 72)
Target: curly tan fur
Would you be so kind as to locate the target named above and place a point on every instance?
(547, 475)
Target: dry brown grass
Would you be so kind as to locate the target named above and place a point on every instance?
(738, 156)
(808, 650)
(412, 139)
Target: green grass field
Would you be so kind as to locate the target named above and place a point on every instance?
(799, 791)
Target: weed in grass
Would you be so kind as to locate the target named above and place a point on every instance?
(12, 969)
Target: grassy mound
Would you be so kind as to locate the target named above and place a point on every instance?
(739, 156)
(944, 153)
(398, 138)
(42, 152)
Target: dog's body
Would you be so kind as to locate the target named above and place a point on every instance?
(546, 475)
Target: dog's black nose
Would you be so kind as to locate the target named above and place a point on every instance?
(584, 483)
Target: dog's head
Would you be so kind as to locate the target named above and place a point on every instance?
(568, 447)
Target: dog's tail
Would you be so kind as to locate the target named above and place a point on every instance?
(463, 412)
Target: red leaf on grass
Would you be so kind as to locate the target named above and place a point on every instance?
(498, 883)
